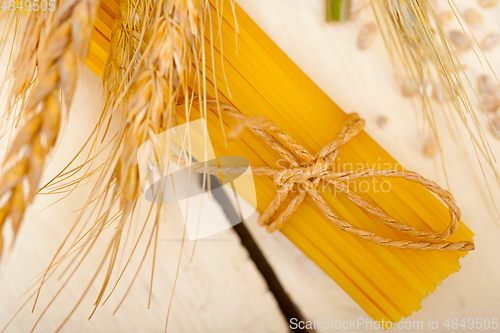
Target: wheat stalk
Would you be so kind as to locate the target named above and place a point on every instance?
(25, 61)
(155, 53)
(420, 48)
(64, 40)
(147, 95)
(127, 42)
(158, 82)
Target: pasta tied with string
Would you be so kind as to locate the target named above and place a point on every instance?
(306, 171)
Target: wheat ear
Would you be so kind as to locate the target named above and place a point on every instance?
(160, 78)
(24, 64)
(171, 41)
(66, 38)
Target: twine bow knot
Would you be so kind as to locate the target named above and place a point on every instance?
(306, 171)
(301, 174)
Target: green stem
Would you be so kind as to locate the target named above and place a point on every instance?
(337, 10)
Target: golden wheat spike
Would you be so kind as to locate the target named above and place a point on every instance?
(57, 50)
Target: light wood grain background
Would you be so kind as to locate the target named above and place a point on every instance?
(221, 290)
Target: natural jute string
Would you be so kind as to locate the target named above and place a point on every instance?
(306, 171)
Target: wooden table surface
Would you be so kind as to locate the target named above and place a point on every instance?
(222, 290)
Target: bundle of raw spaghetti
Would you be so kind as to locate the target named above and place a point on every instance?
(263, 81)
(172, 62)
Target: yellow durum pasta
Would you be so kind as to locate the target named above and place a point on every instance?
(387, 283)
